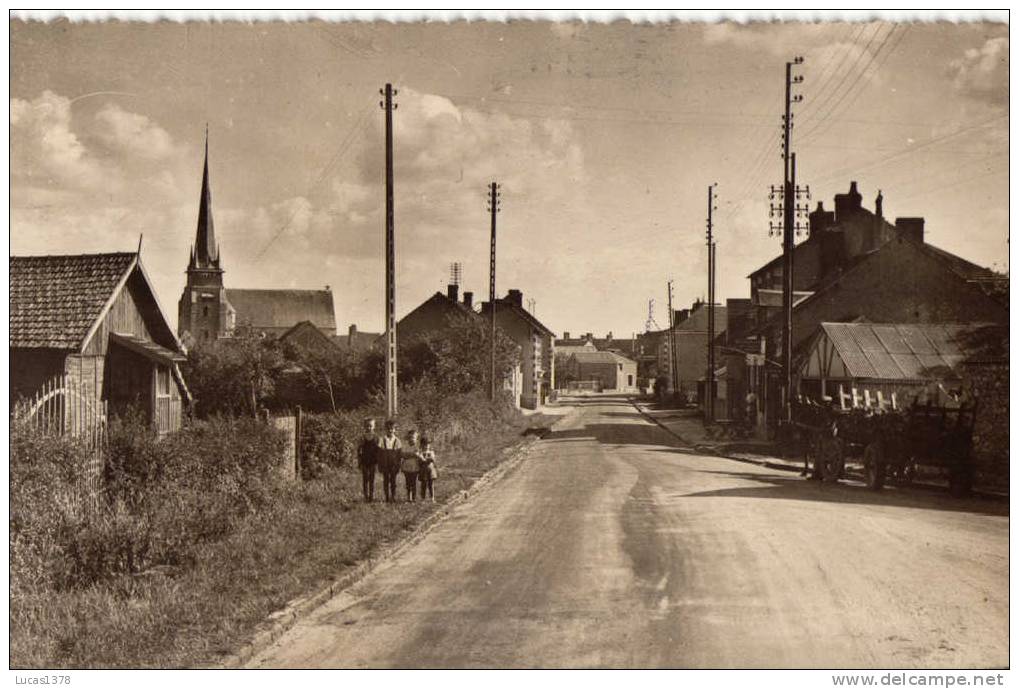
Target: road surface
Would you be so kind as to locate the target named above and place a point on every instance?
(612, 545)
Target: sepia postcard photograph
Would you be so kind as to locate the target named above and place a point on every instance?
(509, 340)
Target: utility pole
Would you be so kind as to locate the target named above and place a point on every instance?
(709, 394)
(789, 227)
(673, 367)
(493, 209)
(391, 386)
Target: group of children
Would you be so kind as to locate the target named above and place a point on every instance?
(388, 455)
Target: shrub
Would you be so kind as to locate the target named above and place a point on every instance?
(162, 498)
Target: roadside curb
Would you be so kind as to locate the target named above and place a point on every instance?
(710, 450)
(297, 609)
(782, 466)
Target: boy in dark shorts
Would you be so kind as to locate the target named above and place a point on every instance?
(367, 459)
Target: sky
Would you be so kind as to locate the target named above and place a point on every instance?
(604, 137)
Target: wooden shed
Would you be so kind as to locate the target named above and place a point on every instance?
(91, 325)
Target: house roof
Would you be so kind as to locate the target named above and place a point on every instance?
(522, 313)
(282, 308)
(308, 329)
(599, 358)
(148, 349)
(897, 351)
(55, 300)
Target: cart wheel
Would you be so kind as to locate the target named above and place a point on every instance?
(816, 442)
(874, 465)
(831, 458)
(907, 472)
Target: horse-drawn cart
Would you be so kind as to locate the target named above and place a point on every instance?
(889, 441)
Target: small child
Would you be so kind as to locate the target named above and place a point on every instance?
(429, 470)
(410, 465)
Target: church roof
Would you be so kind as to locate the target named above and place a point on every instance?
(278, 310)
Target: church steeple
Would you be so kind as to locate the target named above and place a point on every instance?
(205, 254)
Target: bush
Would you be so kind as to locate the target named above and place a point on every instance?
(163, 496)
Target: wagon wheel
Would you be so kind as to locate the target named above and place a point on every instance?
(831, 457)
(906, 473)
(814, 443)
(874, 465)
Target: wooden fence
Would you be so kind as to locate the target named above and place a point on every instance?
(64, 406)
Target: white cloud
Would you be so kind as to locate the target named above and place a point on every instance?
(44, 149)
(133, 134)
(983, 72)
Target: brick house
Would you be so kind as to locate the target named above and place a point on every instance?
(93, 321)
(537, 346)
(901, 280)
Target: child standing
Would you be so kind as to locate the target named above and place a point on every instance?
(429, 470)
(411, 465)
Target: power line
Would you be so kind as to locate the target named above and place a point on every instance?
(344, 146)
(909, 150)
(820, 126)
(825, 77)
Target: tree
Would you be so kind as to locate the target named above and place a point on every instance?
(458, 357)
(235, 376)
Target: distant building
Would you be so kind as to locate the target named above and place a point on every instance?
(356, 340)
(92, 323)
(207, 310)
(607, 371)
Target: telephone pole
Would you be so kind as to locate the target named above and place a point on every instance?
(673, 368)
(709, 388)
(790, 211)
(391, 387)
(493, 208)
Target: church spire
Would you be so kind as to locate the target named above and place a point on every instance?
(206, 249)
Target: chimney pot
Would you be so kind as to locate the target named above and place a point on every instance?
(352, 331)
(469, 299)
(820, 220)
(566, 334)
(516, 297)
(453, 292)
(879, 205)
(847, 204)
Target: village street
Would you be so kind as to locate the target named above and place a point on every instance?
(611, 546)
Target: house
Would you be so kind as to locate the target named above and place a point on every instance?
(438, 313)
(208, 310)
(434, 315)
(536, 342)
(92, 323)
(690, 332)
(902, 280)
(309, 338)
(602, 371)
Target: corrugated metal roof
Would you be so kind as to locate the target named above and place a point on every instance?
(55, 300)
(898, 351)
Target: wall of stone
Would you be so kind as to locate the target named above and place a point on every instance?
(989, 383)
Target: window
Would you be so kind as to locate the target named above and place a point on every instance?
(205, 311)
(162, 380)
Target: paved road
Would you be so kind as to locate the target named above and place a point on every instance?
(613, 546)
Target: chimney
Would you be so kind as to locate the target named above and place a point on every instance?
(469, 299)
(515, 297)
(847, 204)
(879, 205)
(589, 337)
(453, 292)
(820, 220)
(351, 334)
(911, 228)
(566, 334)
(609, 336)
